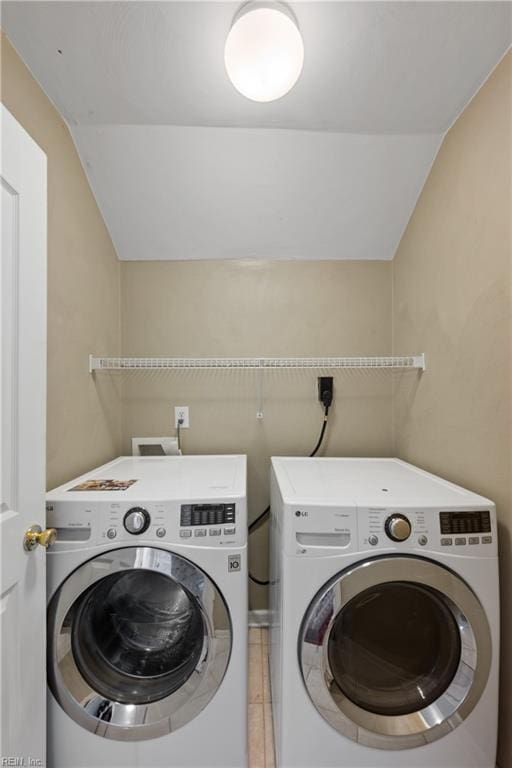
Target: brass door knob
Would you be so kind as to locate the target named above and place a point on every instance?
(35, 535)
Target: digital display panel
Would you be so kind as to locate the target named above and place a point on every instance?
(207, 514)
(465, 522)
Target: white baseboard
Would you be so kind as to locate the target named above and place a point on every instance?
(259, 618)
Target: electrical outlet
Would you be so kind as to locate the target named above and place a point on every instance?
(181, 412)
(326, 390)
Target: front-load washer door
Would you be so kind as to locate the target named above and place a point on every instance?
(139, 640)
(395, 652)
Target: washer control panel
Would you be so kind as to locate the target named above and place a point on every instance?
(207, 514)
(198, 524)
(204, 521)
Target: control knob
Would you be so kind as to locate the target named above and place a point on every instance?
(136, 520)
(398, 527)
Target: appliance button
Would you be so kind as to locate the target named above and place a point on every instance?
(111, 533)
(473, 540)
(486, 539)
(229, 531)
(422, 540)
(373, 540)
(160, 532)
(185, 534)
(215, 531)
(446, 542)
(200, 532)
(459, 541)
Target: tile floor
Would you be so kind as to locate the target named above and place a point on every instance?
(261, 737)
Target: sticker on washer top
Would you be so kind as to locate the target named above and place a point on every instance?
(103, 485)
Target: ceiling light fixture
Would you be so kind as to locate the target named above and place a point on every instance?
(264, 51)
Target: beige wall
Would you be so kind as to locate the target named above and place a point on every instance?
(258, 308)
(83, 288)
(447, 293)
(452, 299)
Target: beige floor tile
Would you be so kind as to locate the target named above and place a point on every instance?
(269, 736)
(266, 677)
(261, 736)
(256, 736)
(255, 674)
(254, 635)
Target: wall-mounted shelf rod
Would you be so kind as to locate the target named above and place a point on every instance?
(121, 364)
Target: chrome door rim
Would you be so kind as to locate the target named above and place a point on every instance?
(444, 714)
(107, 717)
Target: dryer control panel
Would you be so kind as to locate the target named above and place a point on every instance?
(463, 522)
(314, 531)
(388, 526)
(428, 529)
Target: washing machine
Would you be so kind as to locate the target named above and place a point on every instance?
(147, 615)
(384, 635)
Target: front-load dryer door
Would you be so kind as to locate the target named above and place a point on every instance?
(138, 643)
(395, 652)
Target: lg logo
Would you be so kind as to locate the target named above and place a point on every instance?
(301, 514)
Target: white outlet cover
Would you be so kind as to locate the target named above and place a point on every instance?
(169, 444)
(181, 410)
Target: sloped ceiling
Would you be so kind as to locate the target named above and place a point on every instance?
(184, 167)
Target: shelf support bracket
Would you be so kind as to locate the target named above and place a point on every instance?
(259, 392)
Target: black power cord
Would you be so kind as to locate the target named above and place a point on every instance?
(260, 518)
(261, 582)
(322, 433)
(326, 398)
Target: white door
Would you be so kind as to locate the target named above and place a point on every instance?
(22, 445)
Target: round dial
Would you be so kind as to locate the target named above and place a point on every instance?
(136, 520)
(398, 527)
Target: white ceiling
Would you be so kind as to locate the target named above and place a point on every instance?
(195, 193)
(370, 67)
(332, 170)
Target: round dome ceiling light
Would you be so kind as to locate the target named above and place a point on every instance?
(264, 51)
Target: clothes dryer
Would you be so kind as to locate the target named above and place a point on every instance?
(385, 617)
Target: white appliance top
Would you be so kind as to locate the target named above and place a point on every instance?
(162, 478)
(366, 482)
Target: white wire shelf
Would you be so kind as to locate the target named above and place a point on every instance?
(252, 363)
